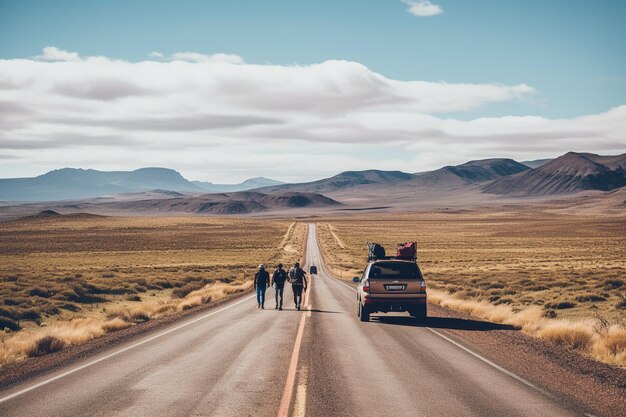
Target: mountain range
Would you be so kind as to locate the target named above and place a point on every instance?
(478, 180)
(72, 183)
(242, 202)
(249, 184)
(569, 173)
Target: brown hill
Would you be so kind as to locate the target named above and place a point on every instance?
(469, 173)
(244, 202)
(296, 199)
(570, 173)
(343, 181)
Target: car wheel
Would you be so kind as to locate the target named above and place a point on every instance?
(364, 314)
(419, 313)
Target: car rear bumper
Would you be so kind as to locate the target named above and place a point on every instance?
(394, 304)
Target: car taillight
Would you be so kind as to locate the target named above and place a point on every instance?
(366, 286)
(423, 286)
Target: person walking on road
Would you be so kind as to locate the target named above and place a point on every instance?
(278, 282)
(261, 282)
(298, 283)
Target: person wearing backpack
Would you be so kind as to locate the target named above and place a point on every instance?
(298, 283)
(261, 282)
(278, 282)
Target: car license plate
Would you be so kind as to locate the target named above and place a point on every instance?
(395, 287)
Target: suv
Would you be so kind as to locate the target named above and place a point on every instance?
(391, 285)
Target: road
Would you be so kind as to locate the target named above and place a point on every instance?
(238, 360)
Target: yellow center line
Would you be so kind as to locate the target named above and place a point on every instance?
(283, 409)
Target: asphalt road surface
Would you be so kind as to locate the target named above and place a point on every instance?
(237, 360)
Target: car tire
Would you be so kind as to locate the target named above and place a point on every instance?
(364, 314)
(420, 313)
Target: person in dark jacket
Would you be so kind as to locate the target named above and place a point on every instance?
(298, 283)
(261, 282)
(278, 282)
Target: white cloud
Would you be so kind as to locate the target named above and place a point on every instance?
(221, 119)
(51, 53)
(423, 8)
(196, 57)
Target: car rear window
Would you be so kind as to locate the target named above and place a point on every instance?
(395, 270)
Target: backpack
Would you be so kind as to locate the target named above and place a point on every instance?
(297, 276)
(279, 276)
(375, 251)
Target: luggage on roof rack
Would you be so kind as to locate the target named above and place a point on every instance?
(375, 251)
(407, 250)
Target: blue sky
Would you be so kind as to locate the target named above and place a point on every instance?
(572, 51)
(561, 62)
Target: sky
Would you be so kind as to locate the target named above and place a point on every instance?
(298, 90)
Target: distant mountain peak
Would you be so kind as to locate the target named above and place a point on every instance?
(469, 172)
(569, 173)
(249, 184)
(79, 183)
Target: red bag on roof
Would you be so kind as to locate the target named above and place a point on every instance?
(407, 250)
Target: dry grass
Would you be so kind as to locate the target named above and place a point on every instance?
(75, 278)
(555, 277)
(595, 337)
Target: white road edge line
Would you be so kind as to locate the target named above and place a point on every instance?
(477, 356)
(87, 365)
(493, 365)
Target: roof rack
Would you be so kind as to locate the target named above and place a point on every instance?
(376, 251)
(392, 258)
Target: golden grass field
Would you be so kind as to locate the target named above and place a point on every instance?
(66, 279)
(560, 277)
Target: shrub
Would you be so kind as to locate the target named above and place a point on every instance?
(69, 307)
(614, 341)
(186, 289)
(7, 323)
(153, 287)
(50, 309)
(40, 292)
(45, 345)
(590, 298)
(115, 324)
(11, 302)
(560, 284)
(139, 316)
(31, 315)
(574, 335)
(133, 298)
(9, 313)
(551, 314)
(8, 279)
(613, 283)
(621, 304)
(560, 305)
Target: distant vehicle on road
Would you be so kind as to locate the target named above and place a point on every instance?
(391, 284)
(313, 270)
